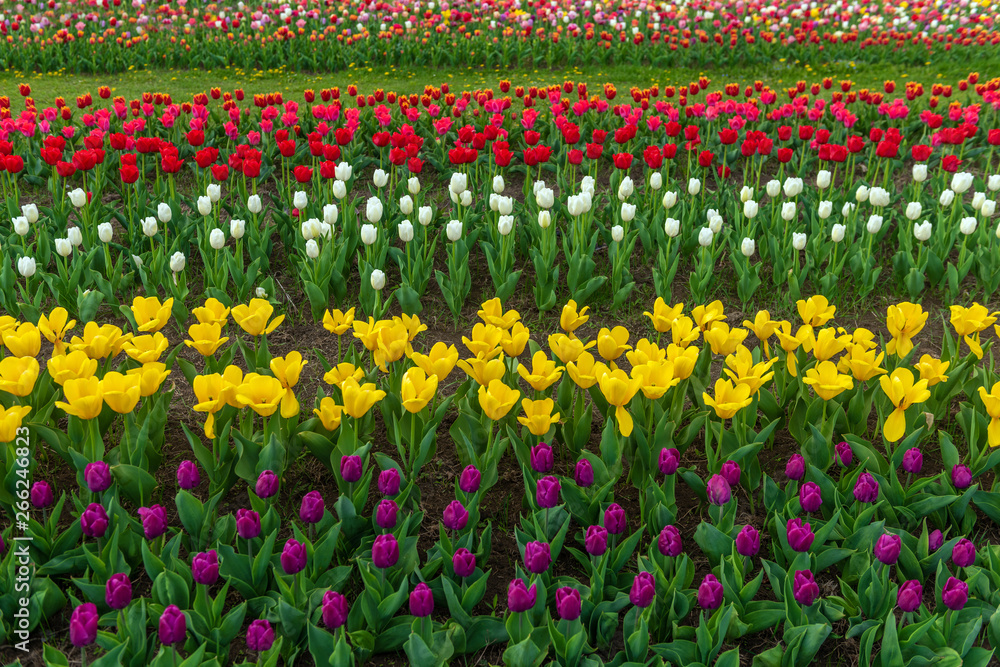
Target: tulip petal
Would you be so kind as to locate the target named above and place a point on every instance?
(625, 423)
(895, 425)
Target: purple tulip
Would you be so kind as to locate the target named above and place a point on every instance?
(388, 482)
(537, 557)
(455, 516)
(187, 475)
(800, 535)
(719, 491)
(614, 519)
(669, 542)
(584, 474)
(748, 541)
(669, 460)
(470, 479)
(421, 601)
(247, 524)
(810, 497)
(961, 477)
(312, 508)
(963, 554)
(913, 460)
(796, 467)
(643, 590)
(385, 551)
(845, 455)
(385, 514)
(887, 548)
(520, 598)
(260, 635)
(710, 593)
(267, 484)
(804, 588)
(335, 609)
(596, 540)
(568, 603)
(41, 495)
(350, 468)
(909, 596)
(173, 626)
(866, 488)
(118, 591)
(731, 472)
(154, 521)
(205, 567)
(464, 563)
(547, 492)
(293, 556)
(97, 475)
(83, 625)
(935, 540)
(541, 458)
(955, 594)
(94, 521)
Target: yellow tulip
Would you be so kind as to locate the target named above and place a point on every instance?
(933, 370)
(391, 343)
(707, 316)
(146, 349)
(741, 369)
(861, 363)
(440, 361)
(612, 343)
(412, 325)
(583, 371)
(991, 401)
(150, 315)
(485, 341)
(763, 327)
(903, 392)
(253, 317)
(83, 398)
(491, 312)
(538, 416)
(261, 393)
(206, 339)
(213, 312)
(515, 340)
(618, 390)
(724, 340)
(815, 311)
(71, 366)
(10, 421)
(969, 322)
(571, 319)
(367, 332)
(683, 359)
(496, 399)
(789, 344)
(655, 377)
(18, 375)
(684, 332)
(208, 391)
(862, 338)
(100, 341)
(151, 375)
(54, 327)
(341, 372)
(482, 371)
(729, 399)
(338, 323)
(646, 352)
(826, 381)
(120, 392)
(904, 321)
(663, 316)
(359, 398)
(287, 370)
(6, 324)
(329, 413)
(568, 349)
(543, 374)
(232, 378)
(417, 389)
(828, 344)
(24, 340)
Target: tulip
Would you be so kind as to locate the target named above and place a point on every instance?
(669, 460)
(710, 593)
(919, 172)
(748, 247)
(866, 488)
(993, 182)
(470, 478)
(26, 266)
(596, 540)
(800, 535)
(454, 230)
(254, 204)
(568, 603)
(729, 398)
(83, 625)
(63, 247)
(796, 467)
(887, 548)
(903, 392)
(339, 189)
(205, 568)
(547, 492)
(385, 551)
(537, 557)
(694, 187)
(989, 208)
(464, 563)
(417, 389)
(389, 481)
(118, 591)
(910, 595)
(961, 181)
(748, 541)
(94, 521)
(583, 473)
(204, 205)
(177, 262)
(267, 484)
(421, 601)
(351, 468)
(97, 476)
(844, 454)
(77, 197)
(643, 590)
(424, 215)
(334, 610)
(260, 636)
(173, 626)
(705, 236)
(810, 497)
(955, 594)
(312, 508)
(187, 475)
(293, 556)
(837, 233)
(798, 241)
(253, 317)
(913, 460)
(935, 540)
(788, 211)
(731, 472)
(804, 587)
(719, 491)
(21, 226)
(614, 519)
(247, 524)
(154, 521)
(963, 554)
(41, 495)
(455, 516)
(520, 598)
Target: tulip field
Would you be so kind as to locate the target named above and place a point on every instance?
(689, 370)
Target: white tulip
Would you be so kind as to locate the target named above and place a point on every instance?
(773, 188)
(30, 211)
(177, 262)
(26, 266)
(312, 249)
(373, 209)
(105, 232)
(325, 231)
(967, 225)
(837, 233)
(149, 227)
(655, 180)
(748, 247)
(21, 225)
(378, 280)
(946, 198)
(505, 224)
(454, 230)
(823, 178)
(505, 205)
(459, 183)
(825, 209)
(310, 228)
(217, 239)
(961, 181)
(874, 224)
(920, 172)
(672, 227)
(617, 233)
(413, 185)
(343, 172)
(77, 198)
(536, 186)
(913, 210)
(299, 199)
(237, 228)
(494, 201)
(694, 186)
(750, 209)
(424, 215)
(260, 293)
(848, 208)
(715, 224)
(253, 204)
(878, 197)
(466, 198)
(587, 184)
(993, 182)
(977, 200)
(405, 230)
(205, 205)
(75, 236)
(798, 241)
(626, 188)
(330, 214)
(793, 187)
(368, 234)
(575, 205)
(989, 208)
(544, 219)
(498, 184)
(379, 178)
(545, 198)
(746, 194)
(339, 189)
(137, 260)
(862, 194)
(628, 212)
(922, 231)
(64, 248)
(406, 205)
(214, 192)
(669, 199)
(705, 237)
(788, 210)
(164, 213)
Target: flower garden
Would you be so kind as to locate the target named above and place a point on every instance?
(692, 372)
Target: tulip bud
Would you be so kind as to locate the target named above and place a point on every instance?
(205, 568)
(470, 479)
(118, 591)
(505, 225)
(545, 198)
(672, 227)
(710, 593)
(164, 213)
(993, 182)
(715, 224)
(149, 227)
(312, 249)
(424, 215)
(837, 233)
(154, 521)
(719, 491)
(961, 476)
(78, 198)
(373, 210)
(30, 212)
(187, 475)
(463, 562)
(823, 178)
(617, 233)
(795, 469)
(41, 495)
(878, 197)
(977, 200)
(967, 225)
(237, 228)
(335, 610)
(368, 234)
(669, 199)
(866, 488)
(498, 184)
(253, 204)
(413, 187)
(177, 262)
(537, 557)
(378, 280)
(862, 194)
(459, 183)
(541, 458)
(913, 460)
(793, 187)
(405, 229)
(920, 172)
(746, 194)
(825, 209)
(260, 636)
(626, 188)
(544, 219)
(63, 247)
(910, 596)
(204, 205)
(887, 548)
(339, 189)
(379, 178)
(330, 214)
(804, 588)
(989, 208)
(963, 554)
(584, 473)
(75, 236)
(748, 541)
(644, 590)
(748, 247)
(946, 198)
(773, 188)
(628, 212)
(343, 172)
(961, 181)
(386, 514)
(750, 209)
(83, 625)
(655, 181)
(705, 237)
(406, 205)
(669, 542)
(788, 210)
(217, 239)
(105, 232)
(26, 266)
(260, 292)
(454, 230)
(21, 226)
(694, 186)
(935, 540)
(247, 524)
(874, 224)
